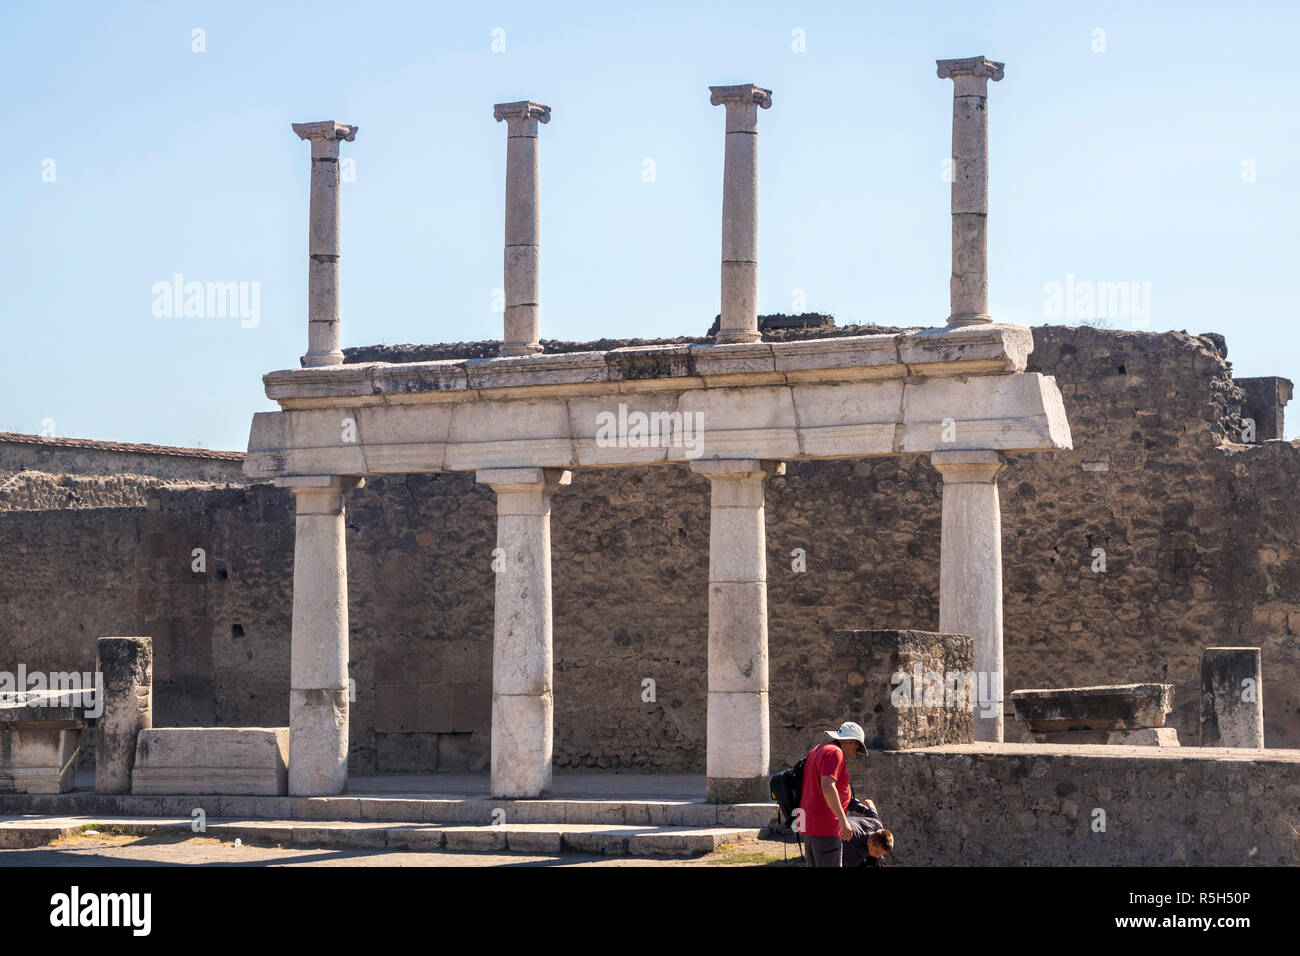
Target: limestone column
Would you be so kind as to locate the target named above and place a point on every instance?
(738, 752)
(522, 703)
(323, 341)
(126, 667)
(970, 186)
(740, 211)
(318, 654)
(522, 329)
(970, 572)
(1232, 697)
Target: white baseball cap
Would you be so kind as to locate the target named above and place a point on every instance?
(849, 731)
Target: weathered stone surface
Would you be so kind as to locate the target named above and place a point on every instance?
(1146, 737)
(1107, 707)
(906, 688)
(212, 760)
(127, 667)
(38, 756)
(1031, 805)
(1232, 697)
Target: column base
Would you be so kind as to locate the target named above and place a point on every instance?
(738, 790)
(513, 349)
(317, 359)
(732, 336)
(969, 318)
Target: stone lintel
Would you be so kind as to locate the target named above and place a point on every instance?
(325, 130)
(971, 66)
(741, 93)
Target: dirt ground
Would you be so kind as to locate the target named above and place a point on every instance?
(109, 849)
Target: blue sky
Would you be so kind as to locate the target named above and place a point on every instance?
(1123, 165)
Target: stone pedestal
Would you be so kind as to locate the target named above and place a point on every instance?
(323, 337)
(318, 667)
(739, 322)
(126, 664)
(739, 752)
(970, 186)
(970, 572)
(523, 246)
(1232, 697)
(522, 699)
(212, 760)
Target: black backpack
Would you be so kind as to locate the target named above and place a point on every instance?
(787, 789)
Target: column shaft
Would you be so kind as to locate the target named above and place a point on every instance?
(739, 322)
(522, 247)
(970, 573)
(318, 668)
(522, 658)
(969, 285)
(1232, 697)
(738, 748)
(323, 316)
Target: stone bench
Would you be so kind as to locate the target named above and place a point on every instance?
(1116, 714)
(40, 732)
(212, 760)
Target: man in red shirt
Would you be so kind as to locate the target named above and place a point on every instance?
(825, 794)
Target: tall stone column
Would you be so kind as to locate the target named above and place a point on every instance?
(970, 572)
(739, 750)
(323, 341)
(970, 186)
(318, 650)
(522, 328)
(739, 321)
(1232, 697)
(523, 706)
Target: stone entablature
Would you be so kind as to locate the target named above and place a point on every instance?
(835, 398)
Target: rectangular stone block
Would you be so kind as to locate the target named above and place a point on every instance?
(906, 688)
(212, 760)
(1105, 707)
(38, 756)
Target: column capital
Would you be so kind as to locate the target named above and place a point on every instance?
(968, 467)
(504, 480)
(325, 130)
(978, 66)
(525, 113)
(713, 468)
(743, 93)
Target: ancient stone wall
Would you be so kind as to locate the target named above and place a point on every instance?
(1133, 806)
(76, 456)
(1201, 545)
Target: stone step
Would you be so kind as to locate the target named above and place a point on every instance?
(547, 838)
(401, 807)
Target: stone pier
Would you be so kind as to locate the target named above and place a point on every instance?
(739, 321)
(1232, 697)
(739, 751)
(323, 334)
(126, 664)
(522, 328)
(970, 186)
(523, 705)
(318, 654)
(970, 572)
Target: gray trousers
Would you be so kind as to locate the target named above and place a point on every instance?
(823, 850)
